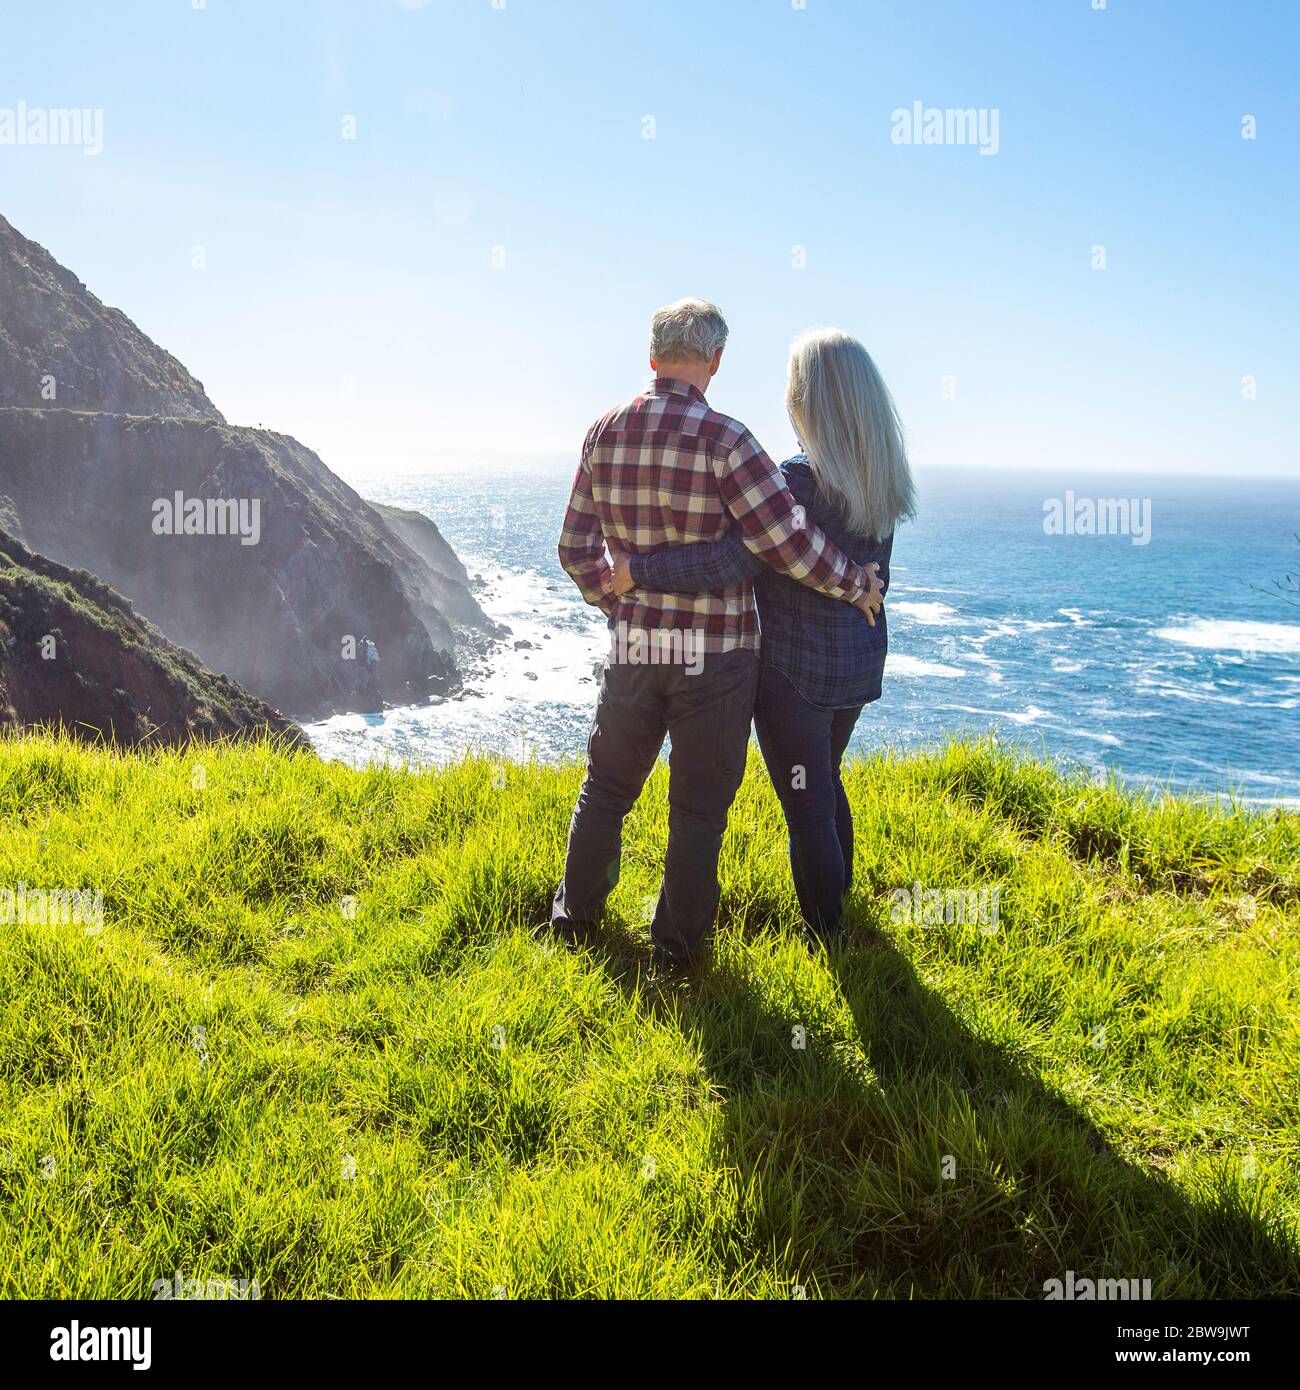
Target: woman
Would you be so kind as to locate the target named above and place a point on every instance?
(821, 661)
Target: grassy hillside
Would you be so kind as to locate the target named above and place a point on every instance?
(316, 1044)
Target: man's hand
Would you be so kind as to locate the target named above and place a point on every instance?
(623, 581)
(871, 602)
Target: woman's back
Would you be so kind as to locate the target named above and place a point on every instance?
(827, 649)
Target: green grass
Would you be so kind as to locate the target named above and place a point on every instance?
(428, 1100)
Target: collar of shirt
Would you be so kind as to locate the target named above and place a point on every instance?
(671, 386)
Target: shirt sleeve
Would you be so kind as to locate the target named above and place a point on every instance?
(582, 542)
(775, 528)
(690, 568)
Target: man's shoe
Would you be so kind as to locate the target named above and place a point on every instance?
(819, 938)
(665, 964)
(571, 933)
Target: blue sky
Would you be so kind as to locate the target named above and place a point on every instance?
(350, 296)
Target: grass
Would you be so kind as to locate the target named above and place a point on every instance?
(317, 1044)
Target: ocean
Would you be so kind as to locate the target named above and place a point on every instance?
(1168, 661)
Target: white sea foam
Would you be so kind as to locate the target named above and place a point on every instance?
(899, 664)
(1234, 635)
(930, 614)
(1027, 716)
(1109, 739)
(924, 588)
(1200, 697)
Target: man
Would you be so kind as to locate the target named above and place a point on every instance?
(666, 469)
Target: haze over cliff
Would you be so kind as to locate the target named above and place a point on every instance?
(130, 471)
(74, 653)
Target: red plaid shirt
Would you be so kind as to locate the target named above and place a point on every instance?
(668, 470)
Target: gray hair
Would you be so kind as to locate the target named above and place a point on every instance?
(690, 330)
(848, 426)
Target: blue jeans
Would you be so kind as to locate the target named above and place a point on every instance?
(706, 714)
(802, 746)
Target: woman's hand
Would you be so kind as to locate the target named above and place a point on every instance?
(870, 602)
(623, 581)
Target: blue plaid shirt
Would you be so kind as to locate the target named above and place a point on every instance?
(828, 651)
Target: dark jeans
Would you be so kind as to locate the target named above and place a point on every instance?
(802, 747)
(707, 717)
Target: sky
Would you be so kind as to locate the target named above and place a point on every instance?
(417, 230)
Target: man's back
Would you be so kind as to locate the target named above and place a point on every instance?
(654, 482)
(667, 469)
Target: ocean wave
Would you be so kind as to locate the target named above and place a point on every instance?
(924, 588)
(931, 613)
(1109, 739)
(913, 666)
(1028, 716)
(1234, 634)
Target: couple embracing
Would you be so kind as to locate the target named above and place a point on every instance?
(734, 589)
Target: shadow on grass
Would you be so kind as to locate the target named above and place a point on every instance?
(844, 1152)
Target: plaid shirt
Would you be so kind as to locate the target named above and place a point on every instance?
(828, 651)
(668, 470)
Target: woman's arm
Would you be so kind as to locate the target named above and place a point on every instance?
(705, 565)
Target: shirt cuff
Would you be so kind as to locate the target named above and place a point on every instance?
(857, 584)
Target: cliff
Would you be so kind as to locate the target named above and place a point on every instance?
(60, 346)
(75, 653)
(281, 606)
(239, 543)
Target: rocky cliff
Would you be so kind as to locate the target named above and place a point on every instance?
(282, 604)
(240, 544)
(60, 346)
(74, 653)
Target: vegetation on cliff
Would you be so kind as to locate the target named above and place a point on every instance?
(75, 654)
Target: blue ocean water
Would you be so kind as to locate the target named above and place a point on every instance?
(1169, 663)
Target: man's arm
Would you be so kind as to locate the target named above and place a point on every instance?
(774, 527)
(582, 544)
(689, 568)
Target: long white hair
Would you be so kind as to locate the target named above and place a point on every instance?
(848, 426)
